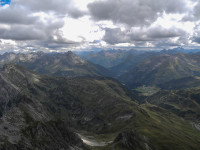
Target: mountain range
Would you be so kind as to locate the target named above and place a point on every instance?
(132, 60)
(43, 106)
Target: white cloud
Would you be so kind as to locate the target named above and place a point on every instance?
(82, 30)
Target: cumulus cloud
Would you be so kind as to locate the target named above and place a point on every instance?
(37, 21)
(34, 24)
(19, 32)
(137, 21)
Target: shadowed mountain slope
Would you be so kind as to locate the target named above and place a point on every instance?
(25, 123)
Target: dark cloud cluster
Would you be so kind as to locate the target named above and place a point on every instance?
(196, 12)
(116, 35)
(54, 6)
(16, 15)
(134, 12)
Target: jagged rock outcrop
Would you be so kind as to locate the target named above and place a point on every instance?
(130, 141)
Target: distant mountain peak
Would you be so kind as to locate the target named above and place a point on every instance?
(69, 53)
(73, 59)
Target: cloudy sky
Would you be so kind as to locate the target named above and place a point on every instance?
(60, 25)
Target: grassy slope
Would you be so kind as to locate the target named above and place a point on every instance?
(184, 103)
(162, 130)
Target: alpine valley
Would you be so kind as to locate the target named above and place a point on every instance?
(107, 100)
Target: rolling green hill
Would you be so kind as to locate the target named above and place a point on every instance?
(184, 103)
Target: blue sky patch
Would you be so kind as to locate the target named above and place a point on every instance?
(4, 2)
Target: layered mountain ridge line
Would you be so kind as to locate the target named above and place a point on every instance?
(59, 64)
(161, 69)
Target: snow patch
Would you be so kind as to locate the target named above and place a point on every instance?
(91, 141)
